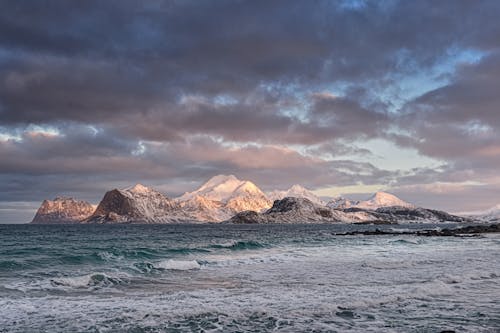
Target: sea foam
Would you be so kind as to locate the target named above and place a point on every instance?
(178, 265)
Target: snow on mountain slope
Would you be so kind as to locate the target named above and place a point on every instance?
(296, 191)
(226, 198)
(223, 196)
(63, 210)
(302, 210)
(220, 188)
(200, 208)
(489, 215)
(377, 200)
(341, 203)
(136, 204)
(383, 199)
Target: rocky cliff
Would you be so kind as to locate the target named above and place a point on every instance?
(63, 210)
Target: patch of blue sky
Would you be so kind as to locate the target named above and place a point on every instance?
(409, 80)
(388, 156)
(353, 4)
(225, 99)
(413, 81)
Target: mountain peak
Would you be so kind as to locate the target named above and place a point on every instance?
(296, 191)
(247, 187)
(220, 180)
(383, 199)
(222, 188)
(138, 188)
(223, 196)
(381, 195)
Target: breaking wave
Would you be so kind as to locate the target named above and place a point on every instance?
(239, 245)
(178, 265)
(93, 280)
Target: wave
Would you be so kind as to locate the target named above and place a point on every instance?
(93, 280)
(239, 245)
(406, 241)
(111, 255)
(178, 265)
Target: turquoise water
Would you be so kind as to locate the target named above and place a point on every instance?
(244, 278)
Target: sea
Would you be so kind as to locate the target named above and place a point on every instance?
(245, 278)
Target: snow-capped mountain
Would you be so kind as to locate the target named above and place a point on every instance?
(383, 199)
(136, 204)
(222, 188)
(63, 210)
(377, 200)
(489, 215)
(223, 196)
(226, 198)
(296, 191)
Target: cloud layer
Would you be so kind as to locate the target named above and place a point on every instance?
(101, 94)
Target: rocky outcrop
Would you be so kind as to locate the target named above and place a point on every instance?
(472, 230)
(63, 210)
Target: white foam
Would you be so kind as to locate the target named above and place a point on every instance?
(179, 265)
(85, 281)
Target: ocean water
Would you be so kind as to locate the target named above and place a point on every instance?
(244, 278)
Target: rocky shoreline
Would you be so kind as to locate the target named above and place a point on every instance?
(468, 231)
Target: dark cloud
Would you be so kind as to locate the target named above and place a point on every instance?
(172, 92)
(94, 61)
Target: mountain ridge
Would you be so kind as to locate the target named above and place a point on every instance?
(226, 198)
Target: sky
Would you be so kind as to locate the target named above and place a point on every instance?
(342, 97)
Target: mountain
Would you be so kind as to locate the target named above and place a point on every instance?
(138, 204)
(226, 198)
(216, 200)
(201, 209)
(377, 200)
(289, 210)
(296, 191)
(341, 203)
(400, 214)
(489, 215)
(220, 188)
(383, 199)
(221, 197)
(63, 210)
(302, 210)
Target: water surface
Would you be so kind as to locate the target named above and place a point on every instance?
(244, 278)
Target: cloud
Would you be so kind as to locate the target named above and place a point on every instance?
(458, 122)
(282, 92)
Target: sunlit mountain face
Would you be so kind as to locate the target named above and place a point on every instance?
(345, 98)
